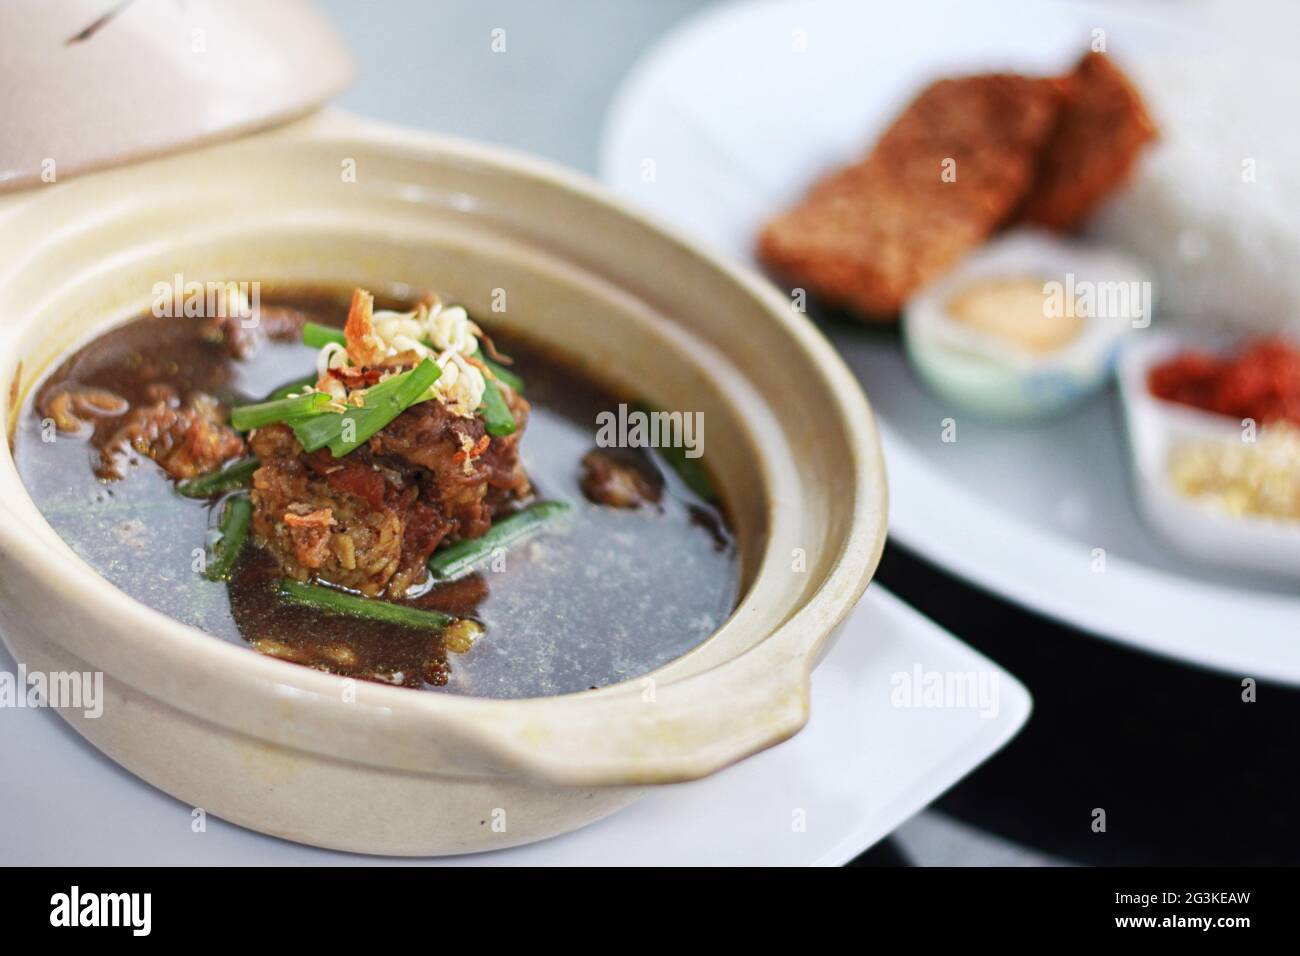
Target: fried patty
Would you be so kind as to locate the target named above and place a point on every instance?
(964, 159)
(949, 172)
(1101, 131)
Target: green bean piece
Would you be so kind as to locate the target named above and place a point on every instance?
(235, 475)
(691, 471)
(503, 373)
(233, 531)
(333, 601)
(247, 417)
(383, 403)
(496, 413)
(292, 388)
(318, 336)
(461, 557)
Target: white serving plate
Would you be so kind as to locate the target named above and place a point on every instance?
(858, 769)
(726, 121)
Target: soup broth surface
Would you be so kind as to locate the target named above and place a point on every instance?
(606, 595)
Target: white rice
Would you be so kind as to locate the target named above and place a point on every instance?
(1225, 249)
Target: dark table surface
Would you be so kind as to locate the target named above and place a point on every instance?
(1187, 772)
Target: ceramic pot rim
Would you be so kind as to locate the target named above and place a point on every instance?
(702, 723)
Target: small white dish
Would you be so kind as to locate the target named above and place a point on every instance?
(990, 375)
(1156, 430)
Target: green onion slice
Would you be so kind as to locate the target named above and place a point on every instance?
(690, 470)
(235, 475)
(333, 601)
(318, 336)
(247, 417)
(383, 403)
(232, 532)
(496, 413)
(503, 373)
(461, 557)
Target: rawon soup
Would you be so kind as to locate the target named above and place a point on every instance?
(385, 493)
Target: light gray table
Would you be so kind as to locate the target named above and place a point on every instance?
(431, 64)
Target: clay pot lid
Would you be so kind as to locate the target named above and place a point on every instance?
(91, 83)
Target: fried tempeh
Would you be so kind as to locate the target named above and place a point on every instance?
(867, 236)
(1102, 129)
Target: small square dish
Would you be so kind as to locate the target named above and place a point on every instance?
(1164, 435)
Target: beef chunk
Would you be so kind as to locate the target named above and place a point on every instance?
(370, 520)
(343, 520)
(429, 438)
(186, 439)
(619, 479)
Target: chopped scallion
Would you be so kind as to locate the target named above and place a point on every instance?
(318, 336)
(690, 470)
(247, 417)
(333, 601)
(383, 403)
(235, 475)
(232, 532)
(496, 413)
(503, 373)
(462, 556)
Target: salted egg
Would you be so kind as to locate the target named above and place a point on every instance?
(1026, 326)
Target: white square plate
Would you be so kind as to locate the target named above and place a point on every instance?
(862, 766)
